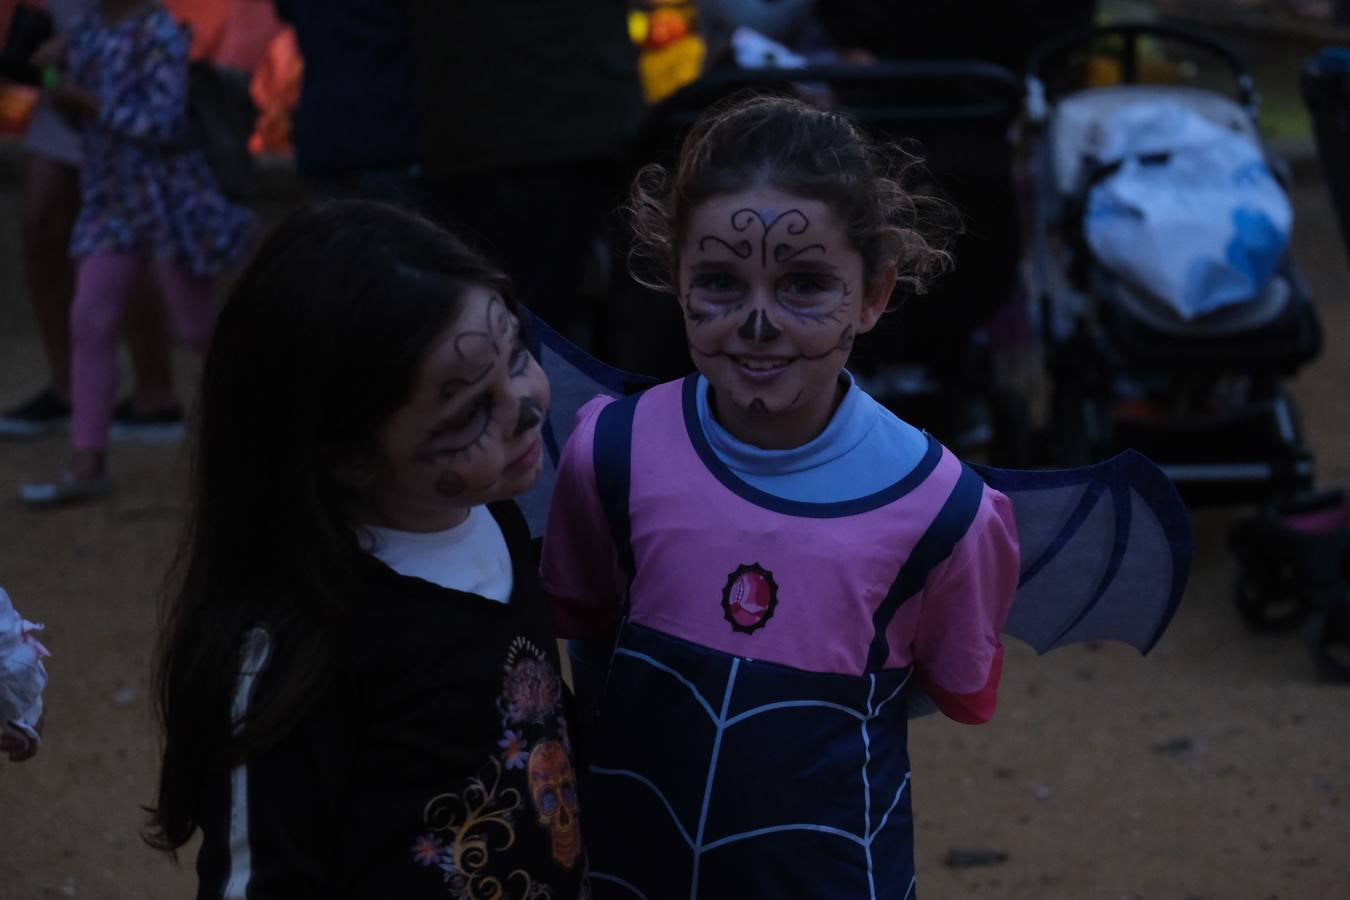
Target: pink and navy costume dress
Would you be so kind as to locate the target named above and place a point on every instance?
(751, 735)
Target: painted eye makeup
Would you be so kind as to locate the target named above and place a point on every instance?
(447, 438)
(808, 285)
(716, 287)
(812, 296)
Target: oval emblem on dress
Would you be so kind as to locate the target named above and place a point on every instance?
(749, 598)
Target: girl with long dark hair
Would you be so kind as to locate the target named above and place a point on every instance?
(357, 678)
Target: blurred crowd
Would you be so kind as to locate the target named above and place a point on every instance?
(516, 124)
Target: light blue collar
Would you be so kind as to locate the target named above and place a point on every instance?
(848, 427)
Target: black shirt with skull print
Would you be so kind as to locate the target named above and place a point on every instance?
(438, 764)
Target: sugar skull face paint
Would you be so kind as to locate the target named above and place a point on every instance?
(774, 295)
(470, 431)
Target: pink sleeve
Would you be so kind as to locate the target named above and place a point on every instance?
(965, 605)
(577, 565)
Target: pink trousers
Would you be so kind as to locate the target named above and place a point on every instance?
(102, 288)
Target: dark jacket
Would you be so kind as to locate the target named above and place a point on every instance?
(437, 763)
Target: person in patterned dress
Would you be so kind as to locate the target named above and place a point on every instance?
(49, 205)
(148, 198)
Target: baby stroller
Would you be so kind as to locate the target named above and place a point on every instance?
(1202, 396)
(921, 360)
(1293, 556)
(1294, 569)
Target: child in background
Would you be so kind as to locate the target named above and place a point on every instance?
(358, 681)
(784, 558)
(148, 198)
(49, 205)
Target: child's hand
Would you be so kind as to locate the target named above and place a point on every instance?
(18, 748)
(51, 53)
(73, 102)
(15, 749)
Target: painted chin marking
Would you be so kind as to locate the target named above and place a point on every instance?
(759, 370)
(758, 407)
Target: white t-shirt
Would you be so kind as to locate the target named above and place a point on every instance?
(471, 557)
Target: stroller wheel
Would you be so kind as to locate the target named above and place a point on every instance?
(1270, 604)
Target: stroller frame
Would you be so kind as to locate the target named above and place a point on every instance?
(1204, 399)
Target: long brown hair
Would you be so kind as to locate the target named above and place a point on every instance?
(318, 343)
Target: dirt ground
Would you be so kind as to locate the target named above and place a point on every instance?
(1215, 768)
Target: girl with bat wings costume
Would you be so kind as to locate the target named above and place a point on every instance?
(767, 572)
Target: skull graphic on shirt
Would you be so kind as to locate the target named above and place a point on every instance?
(553, 787)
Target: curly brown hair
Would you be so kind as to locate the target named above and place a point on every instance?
(782, 142)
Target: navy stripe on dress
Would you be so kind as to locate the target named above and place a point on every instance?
(948, 528)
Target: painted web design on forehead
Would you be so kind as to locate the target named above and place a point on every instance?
(794, 222)
(497, 327)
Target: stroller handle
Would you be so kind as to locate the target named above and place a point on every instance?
(1132, 32)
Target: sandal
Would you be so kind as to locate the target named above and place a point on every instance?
(64, 491)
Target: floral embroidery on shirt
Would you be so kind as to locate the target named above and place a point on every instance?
(472, 829)
(531, 689)
(427, 849)
(514, 750)
(476, 823)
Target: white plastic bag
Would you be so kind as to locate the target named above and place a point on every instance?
(1193, 215)
(22, 675)
(755, 51)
